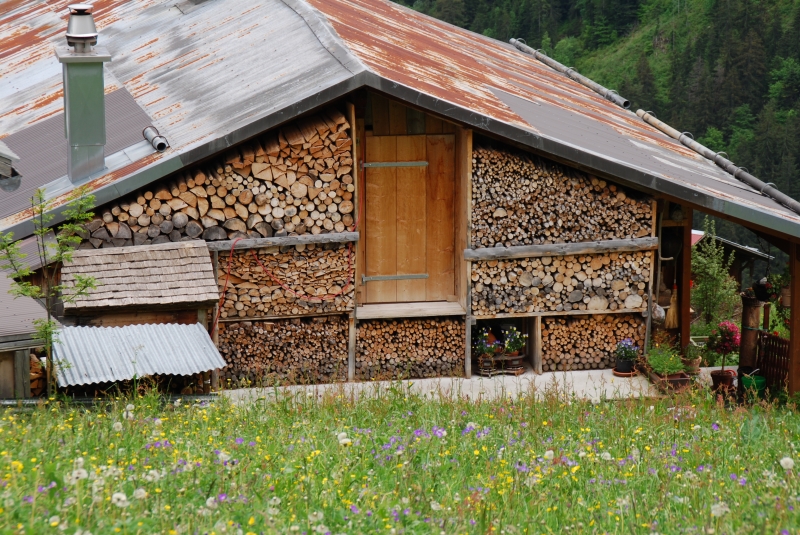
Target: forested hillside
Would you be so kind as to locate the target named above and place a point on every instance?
(726, 70)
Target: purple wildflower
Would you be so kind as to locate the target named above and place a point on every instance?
(715, 426)
(239, 440)
(354, 509)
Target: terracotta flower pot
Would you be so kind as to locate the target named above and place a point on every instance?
(513, 353)
(722, 380)
(692, 365)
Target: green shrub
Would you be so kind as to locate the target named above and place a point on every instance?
(714, 293)
(664, 360)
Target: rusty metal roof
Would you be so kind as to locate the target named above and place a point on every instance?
(215, 73)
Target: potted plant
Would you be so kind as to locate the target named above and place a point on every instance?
(752, 298)
(724, 340)
(484, 348)
(513, 341)
(666, 368)
(625, 353)
(692, 359)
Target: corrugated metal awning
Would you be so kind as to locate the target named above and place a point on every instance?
(89, 355)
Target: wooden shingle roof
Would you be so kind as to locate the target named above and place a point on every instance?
(166, 274)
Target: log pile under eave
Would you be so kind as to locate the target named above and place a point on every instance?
(289, 351)
(411, 348)
(295, 181)
(521, 200)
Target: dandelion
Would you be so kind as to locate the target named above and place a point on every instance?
(322, 528)
(119, 499)
(719, 509)
(152, 476)
(605, 456)
(140, 494)
(273, 511)
(549, 454)
(436, 506)
(54, 521)
(275, 501)
(117, 427)
(315, 516)
(211, 503)
(787, 463)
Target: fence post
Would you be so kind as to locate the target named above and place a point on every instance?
(794, 321)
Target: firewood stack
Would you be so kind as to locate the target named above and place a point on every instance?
(291, 351)
(38, 377)
(587, 342)
(613, 281)
(412, 348)
(320, 275)
(523, 200)
(295, 181)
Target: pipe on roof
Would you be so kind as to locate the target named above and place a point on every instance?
(768, 190)
(608, 94)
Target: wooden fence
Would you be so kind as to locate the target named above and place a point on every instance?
(773, 359)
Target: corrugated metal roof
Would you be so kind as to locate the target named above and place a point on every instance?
(17, 315)
(166, 274)
(42, 147)
(106, 354)
(216, 73)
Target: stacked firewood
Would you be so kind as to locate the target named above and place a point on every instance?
(291, 351)
(320, 277)
(38, 377)
(411, 348)
(613, 281)
(587, 342)
(523, 200)
(295, 181)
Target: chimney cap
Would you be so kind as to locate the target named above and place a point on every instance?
(81, 31)
(80, 9)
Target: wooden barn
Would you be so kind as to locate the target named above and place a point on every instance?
(374, 187)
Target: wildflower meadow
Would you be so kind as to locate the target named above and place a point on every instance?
(394, 462)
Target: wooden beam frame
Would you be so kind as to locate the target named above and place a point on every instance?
(562, 249)
(685, 288)
(794, 319)
(256, 243)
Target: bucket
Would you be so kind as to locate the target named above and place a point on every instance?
(754, 382)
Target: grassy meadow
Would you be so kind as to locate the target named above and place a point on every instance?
(393, 462)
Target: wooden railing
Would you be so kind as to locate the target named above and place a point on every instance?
(773, 359)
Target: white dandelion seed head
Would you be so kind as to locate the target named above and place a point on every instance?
(719, 509)
(316, 516)
(129, 407)
(696, 428)
(54, 520)
(140, 494)
(341, 436)
(322, 528)
(549, 454)
(605, 456)
(345, 441)
(211, 503)
(787, 463)
(294, 528)
(79, 462)
(157, 422)
(275, 501)
(273, 511)
(582, 454)
(117, 427)
(436, 506)
(119, 499)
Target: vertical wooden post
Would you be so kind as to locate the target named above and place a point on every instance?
(22, 374)
(351, 348)
(794, 319)
(214, 315)
(537, 344)
(685, 284)
(468, 347)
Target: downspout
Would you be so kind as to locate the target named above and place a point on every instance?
(608, 94)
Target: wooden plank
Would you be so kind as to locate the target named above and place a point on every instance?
(411, 220)
(397, 119)
(380, 114)
(441, 239)
(463, 178)
(381, 218)
(433, 125)
(361, 224)
(685, 284)
(409, 310)
(282, 316)
(468, 348)
(545, 313)
(562, 249)
(794, 319)
(256, 243)
(140, 317)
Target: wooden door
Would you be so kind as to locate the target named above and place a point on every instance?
(409, 212)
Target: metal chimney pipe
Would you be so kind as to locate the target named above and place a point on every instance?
(159, 142)
(84, 100)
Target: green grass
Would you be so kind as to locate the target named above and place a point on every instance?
(406, 465)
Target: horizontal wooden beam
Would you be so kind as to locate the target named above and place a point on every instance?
(409, 310)
(562, 249)
(256, 243)
(546, 313)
